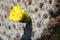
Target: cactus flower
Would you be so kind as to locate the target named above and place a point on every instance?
(17, 13)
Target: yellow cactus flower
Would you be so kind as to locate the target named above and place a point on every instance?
(17, 13)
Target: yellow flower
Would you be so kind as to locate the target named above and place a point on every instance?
(17, 13)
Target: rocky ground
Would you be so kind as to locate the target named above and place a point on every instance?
(44, 17)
